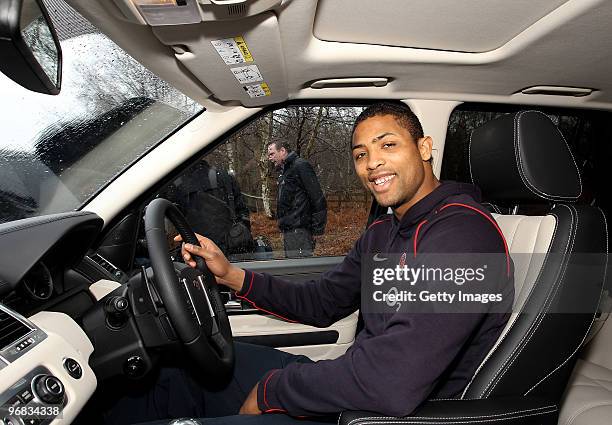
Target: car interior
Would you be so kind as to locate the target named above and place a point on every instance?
(94, 296)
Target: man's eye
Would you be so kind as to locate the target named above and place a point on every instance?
(388, 145)
(359, 155)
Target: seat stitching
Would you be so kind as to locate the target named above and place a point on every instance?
(368, 421)
(571, 155)
(532, 330)
(470, 156)
(534, 325)
(532, 250)
(497, 415)
(523, 176)
(515, 229)
(518, 224)
(526, 299)
(515, 320)
(585, 408)
(517, 156)
(590, 326)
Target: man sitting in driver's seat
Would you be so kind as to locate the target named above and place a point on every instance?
(400, 358)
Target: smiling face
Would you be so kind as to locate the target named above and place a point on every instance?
(391, 164)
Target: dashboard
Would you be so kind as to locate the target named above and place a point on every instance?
(45, 375)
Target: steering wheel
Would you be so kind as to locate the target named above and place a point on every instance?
(190, 296)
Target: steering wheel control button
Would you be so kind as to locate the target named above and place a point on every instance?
(49, 389)
(134, 367)
(73, 368)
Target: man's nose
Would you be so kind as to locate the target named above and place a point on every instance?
(374, 161)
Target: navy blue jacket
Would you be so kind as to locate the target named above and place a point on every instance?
(398, 360)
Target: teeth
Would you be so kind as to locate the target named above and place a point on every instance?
(383, 180)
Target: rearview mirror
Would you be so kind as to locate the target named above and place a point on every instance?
(30, 52)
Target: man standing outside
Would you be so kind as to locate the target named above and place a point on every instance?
(301, 208)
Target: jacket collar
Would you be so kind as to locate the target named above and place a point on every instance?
(433, 200)
(289, 160)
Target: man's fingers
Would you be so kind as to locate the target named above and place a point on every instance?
(178, 238)
(198, 250)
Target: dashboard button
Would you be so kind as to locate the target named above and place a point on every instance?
(49, 389)
(14, 401)
(73, 368)
(25, 396)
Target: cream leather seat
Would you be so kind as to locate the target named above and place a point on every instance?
(588, 400)
(523, 159)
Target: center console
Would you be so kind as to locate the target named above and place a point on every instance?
(44, 373)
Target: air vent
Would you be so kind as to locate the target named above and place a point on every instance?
(105, 264)
(236, 9)
(11, 329)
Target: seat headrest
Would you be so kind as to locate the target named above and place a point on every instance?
(523, 157)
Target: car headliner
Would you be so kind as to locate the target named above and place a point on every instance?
(478, 50)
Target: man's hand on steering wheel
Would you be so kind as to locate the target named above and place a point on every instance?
(216, 261)
(190, 295)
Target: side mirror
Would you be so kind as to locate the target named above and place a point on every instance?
(30, 52)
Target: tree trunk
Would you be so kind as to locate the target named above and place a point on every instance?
(264, 133)
(231, 156)
(313, 136)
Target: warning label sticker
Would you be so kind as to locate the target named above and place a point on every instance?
(233, 50)
(247, 74)
(258, 90)
(244, 49)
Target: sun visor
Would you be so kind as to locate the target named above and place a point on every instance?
(239, 60)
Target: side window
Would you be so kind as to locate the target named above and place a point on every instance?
(283, 186)
(586, 132)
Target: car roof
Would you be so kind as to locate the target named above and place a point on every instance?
(484, 51)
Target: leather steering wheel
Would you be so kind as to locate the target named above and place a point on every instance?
(191, 296)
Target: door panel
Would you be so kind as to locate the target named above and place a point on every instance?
(316, 343)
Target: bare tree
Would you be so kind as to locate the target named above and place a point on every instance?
(265, 130)
(310, 146)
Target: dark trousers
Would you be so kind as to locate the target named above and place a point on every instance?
(174, 394)
(298, 243)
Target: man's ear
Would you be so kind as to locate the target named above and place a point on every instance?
(425, 145)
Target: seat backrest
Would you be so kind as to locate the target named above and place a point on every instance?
(559, 257)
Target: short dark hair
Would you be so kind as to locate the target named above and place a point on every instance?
(402, 113)
(278, 144)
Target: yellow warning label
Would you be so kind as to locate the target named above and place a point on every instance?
(244, 49)
(258, 90)
(266, 89)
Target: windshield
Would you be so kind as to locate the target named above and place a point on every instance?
(57, 151)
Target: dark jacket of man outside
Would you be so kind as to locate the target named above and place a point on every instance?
(203, 193)
(301, 206)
